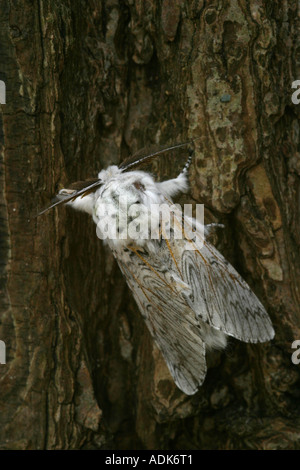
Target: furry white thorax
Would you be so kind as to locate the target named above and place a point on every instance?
(130, 193)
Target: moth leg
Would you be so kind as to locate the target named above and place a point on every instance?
(85, 203)
(188, 164)
(176, 185)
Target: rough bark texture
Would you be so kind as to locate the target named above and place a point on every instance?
(87, 84)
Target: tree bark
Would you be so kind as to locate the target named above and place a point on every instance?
(89, 83)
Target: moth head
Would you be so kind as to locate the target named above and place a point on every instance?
(134, 185)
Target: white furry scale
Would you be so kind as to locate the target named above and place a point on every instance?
(119, 192)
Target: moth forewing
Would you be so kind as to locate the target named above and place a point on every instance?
(160, 290)
(171, 322)
(221, 297)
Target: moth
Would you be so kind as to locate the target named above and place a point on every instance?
(190, 297)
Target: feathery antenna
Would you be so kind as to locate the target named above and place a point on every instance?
(76, 193)
(137, 160)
